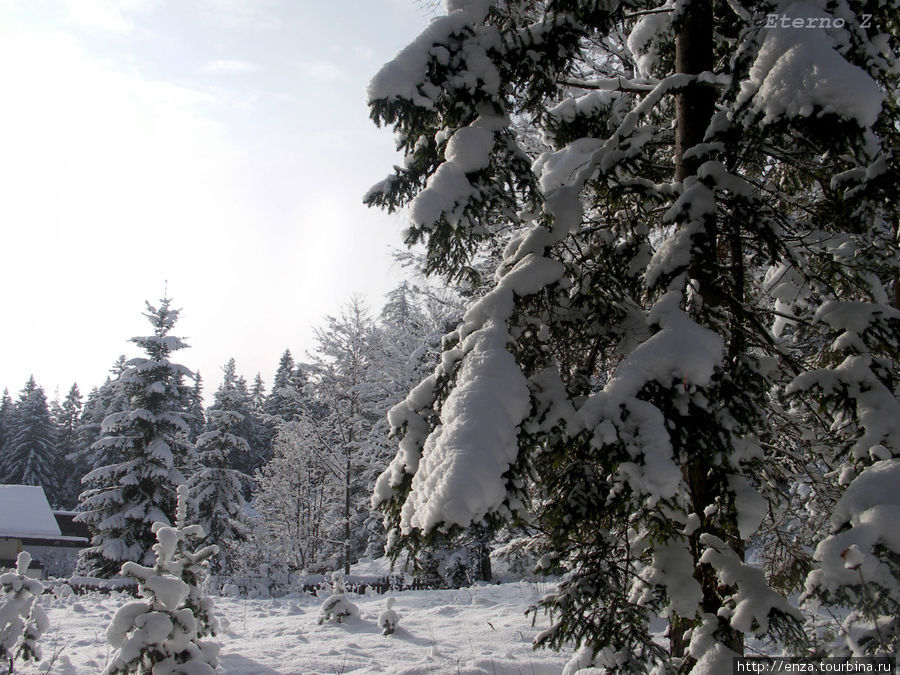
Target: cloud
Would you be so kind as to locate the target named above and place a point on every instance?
(229, 66)
(323, 71)
(107, 15)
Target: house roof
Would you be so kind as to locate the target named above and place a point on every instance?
(25, 512)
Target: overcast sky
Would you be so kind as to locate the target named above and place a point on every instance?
(222, 146)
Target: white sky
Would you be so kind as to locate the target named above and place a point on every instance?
(220, 145)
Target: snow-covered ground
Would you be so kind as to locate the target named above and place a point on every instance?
(467, 631)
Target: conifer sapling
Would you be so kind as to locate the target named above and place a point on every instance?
(338, 607)
(163, 631)
(388, 619)
(22, 621)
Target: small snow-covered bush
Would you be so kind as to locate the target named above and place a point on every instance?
(388, 619)
(337, 607)
(162, 633)
(63, 592)
(22, 621)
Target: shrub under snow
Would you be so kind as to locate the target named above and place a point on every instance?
(337, 607)
(388, 619)
(22, 621)
(162, 633)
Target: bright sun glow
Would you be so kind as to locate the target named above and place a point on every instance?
(206, 146)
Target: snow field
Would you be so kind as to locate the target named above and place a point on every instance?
(469, 631)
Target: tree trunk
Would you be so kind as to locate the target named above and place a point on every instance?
(896, 273)
(694, 108)
(695, 103)
(347, 515)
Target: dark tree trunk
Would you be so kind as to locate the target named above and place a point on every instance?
(695, 103)
(347, 477)
(694, 108)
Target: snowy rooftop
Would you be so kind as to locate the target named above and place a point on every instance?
(25, 512)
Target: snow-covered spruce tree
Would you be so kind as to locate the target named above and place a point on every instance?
(67, 420)
(232, 396)
(195, 416)
(22, 621)
(192, 556)
(287, 398)
(217, 499)
(31, 453)
(258, 394)
(101, 401)
(6, 416)
(718, 199)
(163, 632)
(859, 566)
(149, 441)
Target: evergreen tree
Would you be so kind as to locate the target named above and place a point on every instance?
(124, 499)
(92, 413)
(645, 364)
(101, 401)
(7, 470)
(258, 394)
(195, 417)
(7, 411)
(279, 403)
(31, 455)
(162, 633)
(22, 621)
(68, 420)
(216, 491)
(287, 399)
(232, 396)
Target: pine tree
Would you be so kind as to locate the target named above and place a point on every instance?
(101, 401)
(124, 499)
(232, 396)
(67, 420)
(216, 490)
(645, 372)
(7, 411)
(195, 417)
(163, 632)
(284, 400)
(258, 394)
(22, 621)
(32, 455)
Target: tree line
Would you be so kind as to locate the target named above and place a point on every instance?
(280, 479)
